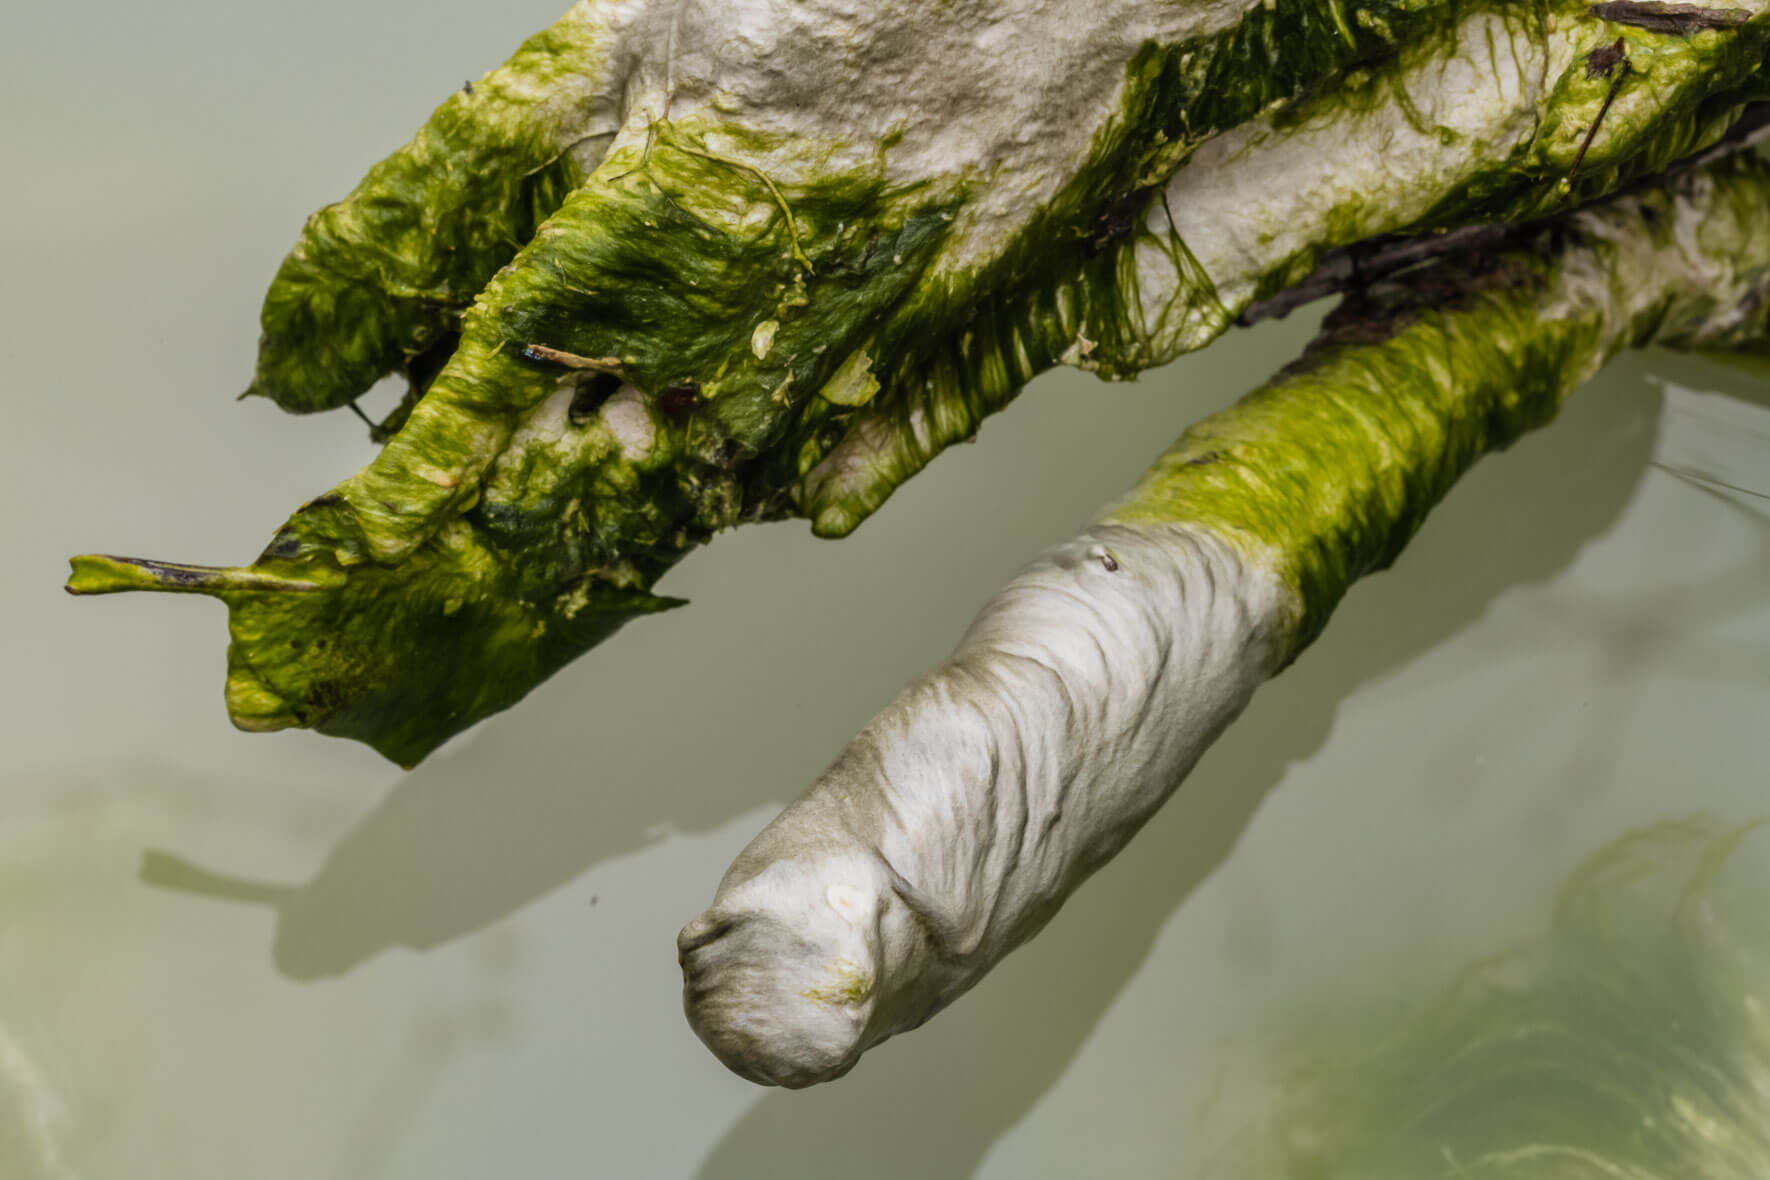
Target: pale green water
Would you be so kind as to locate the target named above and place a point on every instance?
(1629, 1041)
(333, 970)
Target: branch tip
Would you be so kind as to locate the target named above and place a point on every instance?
(101, 573)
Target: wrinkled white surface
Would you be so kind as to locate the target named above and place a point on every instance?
(959, 820)
(1010, 91)
(1253, 197)
(1256, 197)
(1008, 94)
(833, 80)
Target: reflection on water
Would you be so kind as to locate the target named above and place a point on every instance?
(1720, 441)
(32, 1118)
(138, 1043)
(436, 1039)
(1632, 1043)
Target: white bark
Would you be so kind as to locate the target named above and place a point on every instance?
(951, 829)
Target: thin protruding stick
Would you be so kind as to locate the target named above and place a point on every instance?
(1358, 265)
(571, 360)
(100, 573)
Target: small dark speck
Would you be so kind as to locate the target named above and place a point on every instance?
(1601, 63)
(1110, 562)
(172, 575)
(679, 400)
(283, 545)
(592, 899)
(467, 89)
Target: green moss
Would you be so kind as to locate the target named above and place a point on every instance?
(657, 263)
(1332, 468)
(382, 275)
(1082, 304)
(400, 657)
(456, 572)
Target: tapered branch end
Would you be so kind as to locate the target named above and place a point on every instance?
(100, 573)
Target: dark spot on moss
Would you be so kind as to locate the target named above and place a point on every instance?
(679, 400)
(1118, 221)
(171, 575)
(1600, 62)
(282, 545)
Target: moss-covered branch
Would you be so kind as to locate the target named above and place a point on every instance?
(954, 826)
(1498, 118)
(676, 267)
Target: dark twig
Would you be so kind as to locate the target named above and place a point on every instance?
(1677, 19)
(1610, 62)
(571, 360)
(1697, 477)
(1362, 263)
(1377, 258)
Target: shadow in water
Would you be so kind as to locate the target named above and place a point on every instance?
(975, 1071)
(1625, 1041)
(558, 786)
(552, 789)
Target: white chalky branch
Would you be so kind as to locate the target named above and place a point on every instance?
(953, 827)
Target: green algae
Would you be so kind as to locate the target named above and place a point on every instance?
(1179, 96)
(638, 267)
(384, 274)
(400, 657)
(455, 573)
(1329, 470)
(1679, 95)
